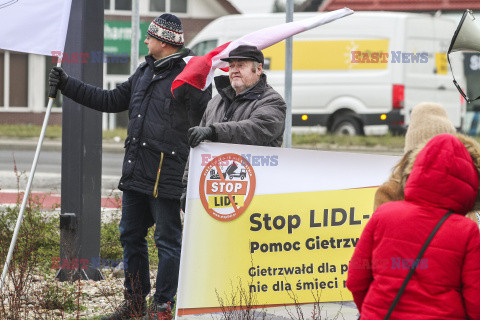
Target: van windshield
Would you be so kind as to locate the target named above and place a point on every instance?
(204, 47)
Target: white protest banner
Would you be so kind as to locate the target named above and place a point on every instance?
(34, 26)
(276, 226)
(39, 27)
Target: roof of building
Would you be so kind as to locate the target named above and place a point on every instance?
(230, 8)
(400, 5)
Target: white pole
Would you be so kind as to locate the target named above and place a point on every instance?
(287, 136)
(27, 191)
(135, 37)
(6, 83)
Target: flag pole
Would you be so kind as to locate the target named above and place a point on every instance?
(287, 136)
(51, 95)
(135, 36)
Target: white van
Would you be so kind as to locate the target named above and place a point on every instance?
(361, 74)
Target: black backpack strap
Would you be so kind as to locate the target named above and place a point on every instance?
(415, 264)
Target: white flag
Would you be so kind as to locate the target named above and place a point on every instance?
(34, 26)
(199, 70)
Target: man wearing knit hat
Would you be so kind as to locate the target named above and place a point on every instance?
(156, 151)
(427, 120)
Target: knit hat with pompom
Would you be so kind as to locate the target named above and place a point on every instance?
(167, 28)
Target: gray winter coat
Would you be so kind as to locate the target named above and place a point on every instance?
(255, 117)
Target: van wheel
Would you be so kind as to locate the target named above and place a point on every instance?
(346, 125)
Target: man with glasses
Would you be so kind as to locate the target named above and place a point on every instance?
(156, 151)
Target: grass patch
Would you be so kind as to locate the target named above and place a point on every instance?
(315, 139)
(37, 246)
(310, 139)
(110, 247)
(38, 236)
(119, 132)
(60, 296)
(55, 132)
(368, 141)
(29, 131)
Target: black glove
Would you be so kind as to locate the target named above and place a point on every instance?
(198, 134)
(57, 78)
(183, 199)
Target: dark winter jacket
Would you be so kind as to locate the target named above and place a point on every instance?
(255, 117)
(446, 284)
(156, 148)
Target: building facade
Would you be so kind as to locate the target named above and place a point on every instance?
(23, 77)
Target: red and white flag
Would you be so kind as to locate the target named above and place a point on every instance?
(199, 70)
(34, 26)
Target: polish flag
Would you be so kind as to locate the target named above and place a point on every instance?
(199, 70)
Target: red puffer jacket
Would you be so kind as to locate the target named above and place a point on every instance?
(446, 285)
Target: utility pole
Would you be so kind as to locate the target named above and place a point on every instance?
(82, 152)
(287, 136)
(135, 35)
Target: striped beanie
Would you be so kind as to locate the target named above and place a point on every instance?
(167, 28)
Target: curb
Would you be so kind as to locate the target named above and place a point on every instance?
(47, 182)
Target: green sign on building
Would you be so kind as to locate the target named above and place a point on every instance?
(117, 37)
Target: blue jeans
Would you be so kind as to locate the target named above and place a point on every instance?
(140, 212)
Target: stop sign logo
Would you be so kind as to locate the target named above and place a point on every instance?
(227, 185)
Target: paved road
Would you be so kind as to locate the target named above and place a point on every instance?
(47, 175)
(50, 161)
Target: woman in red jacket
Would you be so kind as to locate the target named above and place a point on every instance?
(446, 284)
